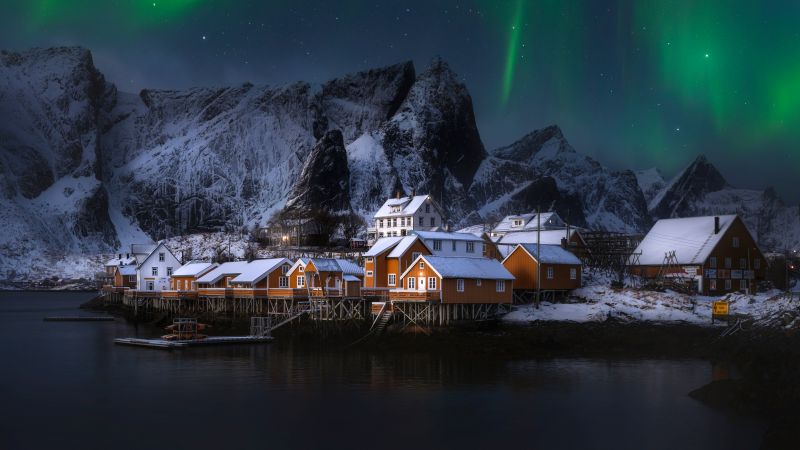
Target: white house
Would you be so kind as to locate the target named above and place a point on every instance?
(154, 270)
(400, 215)
(442, 243)
(528, 222)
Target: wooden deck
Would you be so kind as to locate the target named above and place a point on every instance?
(397, 295)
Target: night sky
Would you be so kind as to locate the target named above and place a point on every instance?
(634, 84)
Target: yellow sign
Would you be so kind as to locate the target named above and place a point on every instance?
(719, 308)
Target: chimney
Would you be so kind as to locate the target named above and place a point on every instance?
(127, 255)
(397, 194)
(414, 192)
(120, 256)
(447, 227)
(564, 243)
(716, 224)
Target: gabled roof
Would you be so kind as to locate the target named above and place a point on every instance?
(464, 267)
(121, 261)
(257, 269)
(529, 222)
(409, 205)
(301, 262)
(447, 236)
(477, 230)
(141, 261)
(550, 254)
(404, 245)
(382, 245)
(126, 270)
(508, 242)
(224, 269)
(692, 239)
(193, 269)
(140, 252)
(351, 278)
(337, 265)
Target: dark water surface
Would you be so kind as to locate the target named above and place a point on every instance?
(66, 385)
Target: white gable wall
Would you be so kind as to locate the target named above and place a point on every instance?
(145, 280)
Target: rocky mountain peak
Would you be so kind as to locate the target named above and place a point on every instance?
(532, 143)
(693, 183)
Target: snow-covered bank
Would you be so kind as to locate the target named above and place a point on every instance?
(597, 303)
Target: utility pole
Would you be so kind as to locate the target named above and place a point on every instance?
(538, 256)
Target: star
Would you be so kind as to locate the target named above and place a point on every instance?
(707, 55)
(204, 38)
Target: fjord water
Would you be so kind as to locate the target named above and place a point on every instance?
(66, 385)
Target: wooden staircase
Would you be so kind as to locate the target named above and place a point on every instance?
(381, 321)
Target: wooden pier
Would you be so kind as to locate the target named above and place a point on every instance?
(79, 319)
(211, 340)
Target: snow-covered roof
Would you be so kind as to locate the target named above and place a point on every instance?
(337, 265)
(382, 245)
(447, 236)
(127, 270)
(121, 261)
(549, 237)
(257, 269)
(403, 246)
(409, 205)
(300, 262)
(477, 230)
(192, 269)
(529, 222)
(692, 239)
(551, 254)
(141, 251)
(141, 258)
(351, 278)
(465, 267)
(228, 268)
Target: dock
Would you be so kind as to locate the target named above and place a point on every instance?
(79, 319)
(211, 340)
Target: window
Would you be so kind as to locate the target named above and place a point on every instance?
(394, 223)
(301, 269)
(421, 221)
(500, 286)
(395, 209)
(573, 274)
(727, 284)
(712, 285)
(403, 232)
(169, 271)
(470, 247)
(460, 285)
(713, 262)
(151, 286)
(743, 285)
(549, 273)
(161, 257)
(433, 221)
(301, 281)
(369, 273)
(412, 282)
(756, 263)
(154, 271)
(369, 258)
(415, 255)
(516, 223)
(432, 283)
(283, 282)
(284, 269)
(478, 282)
(728, 262)
(427, 207)
(421, 265)
(735, 242)
(437, 244)
(380, 234)
(454, 245)
(392, 279)
(743, 263)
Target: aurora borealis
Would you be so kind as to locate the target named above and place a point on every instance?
(635, 84)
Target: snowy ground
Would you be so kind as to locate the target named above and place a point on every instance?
(598, 302)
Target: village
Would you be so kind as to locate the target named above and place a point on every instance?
(411, 270)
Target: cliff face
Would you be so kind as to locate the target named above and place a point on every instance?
(85, 169)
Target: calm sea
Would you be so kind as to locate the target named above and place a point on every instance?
(66, 385)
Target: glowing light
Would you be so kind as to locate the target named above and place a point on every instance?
(511, 53)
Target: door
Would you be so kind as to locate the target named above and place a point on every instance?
(421, 283)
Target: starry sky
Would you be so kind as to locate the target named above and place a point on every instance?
(634, 84)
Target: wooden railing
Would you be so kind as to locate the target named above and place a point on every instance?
(288, 293)
(413, 295)
(375, 292)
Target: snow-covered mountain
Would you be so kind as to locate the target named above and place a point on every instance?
(651, 181)
(85, 169)
(700, 189)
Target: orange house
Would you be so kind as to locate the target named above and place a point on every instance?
(387, 260)
(216, 283)
(328, 277)
(125, 277)
(560, 270)
(260, 277)
(454, 280)
(716, 253)
(183, 279)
